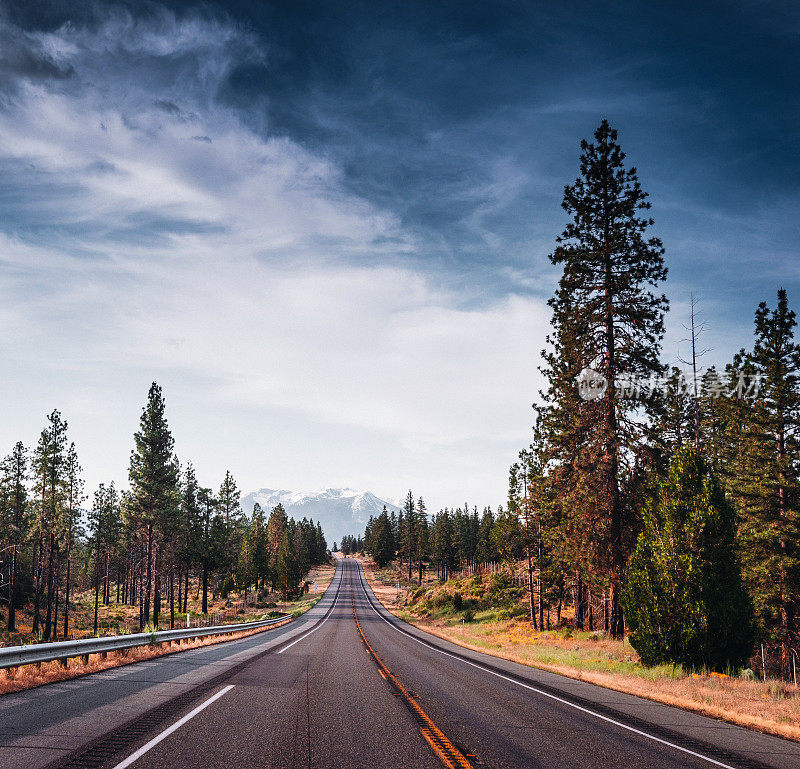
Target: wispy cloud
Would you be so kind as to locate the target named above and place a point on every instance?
(153, 232)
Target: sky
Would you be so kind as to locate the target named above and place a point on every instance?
(323, 228)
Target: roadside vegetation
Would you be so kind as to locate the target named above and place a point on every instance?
(142, 557)
(657, 507)
(486, 613)
(117, 619)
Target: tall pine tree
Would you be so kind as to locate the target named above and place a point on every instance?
(153, 476)
(769, 479)
(606, 316)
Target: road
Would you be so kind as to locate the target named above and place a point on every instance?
(348, 685)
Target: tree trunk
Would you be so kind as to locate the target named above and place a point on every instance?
(37, 565)
(205, 589)
(96, 589)
(107, 581)
(55, 603)
(172, 595)
(66, 587)
(612, 445)
(531, 603)
(156, 595)
(12, 573)
(148, 582)
(48, 621)
(579, 605)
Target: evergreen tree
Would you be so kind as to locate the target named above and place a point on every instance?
(15, 521)
(49, 463)
(685, 601)
(229, 504)
(210, 544)
(408, 532)
(153, 476)
(769, 479)
(190, 553)
(74, 499)
(607, 318)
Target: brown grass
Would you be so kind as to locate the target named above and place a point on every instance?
(31, 676)
(772, 706)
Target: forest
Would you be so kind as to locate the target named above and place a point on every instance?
(653, 499)
(142, 546)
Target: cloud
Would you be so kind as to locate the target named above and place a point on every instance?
(153, 232)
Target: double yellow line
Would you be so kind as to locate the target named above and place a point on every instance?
(446, 751)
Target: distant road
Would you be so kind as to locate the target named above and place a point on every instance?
(349, 685)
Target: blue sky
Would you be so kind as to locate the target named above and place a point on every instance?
(324, 227)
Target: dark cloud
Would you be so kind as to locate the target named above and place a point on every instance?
(21, 57)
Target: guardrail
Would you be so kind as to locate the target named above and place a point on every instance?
(32, 654)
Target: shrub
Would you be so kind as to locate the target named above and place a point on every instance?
(458, 602)
(469, 615)
(747, 675)
(685, 602)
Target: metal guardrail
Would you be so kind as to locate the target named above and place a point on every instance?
(31, 654)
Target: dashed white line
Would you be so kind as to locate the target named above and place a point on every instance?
(316, 627)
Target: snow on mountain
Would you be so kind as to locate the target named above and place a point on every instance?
(340, 511)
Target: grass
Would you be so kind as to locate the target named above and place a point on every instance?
(115, 617)
(496, 622)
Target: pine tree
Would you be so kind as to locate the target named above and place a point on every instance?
(15, 521)
(190, 552)
(685, 600)
(49, 462)
(421, 536)
(409, 531)
(229, 498)
(153, 476)
(74, 499)
(605, 317)
(769, 479)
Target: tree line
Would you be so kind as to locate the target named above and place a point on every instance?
(140, 546)
(450, 540)
(669, 498)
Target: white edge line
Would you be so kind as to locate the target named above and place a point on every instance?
(539, 691)
(169, 730)
(313, 629)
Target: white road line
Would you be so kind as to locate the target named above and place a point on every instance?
(166, 733)
(540, 691)
(315, 628)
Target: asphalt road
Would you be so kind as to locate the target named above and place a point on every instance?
(322, 693)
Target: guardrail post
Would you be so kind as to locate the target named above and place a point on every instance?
(85, 659)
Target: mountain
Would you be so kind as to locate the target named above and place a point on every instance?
(340, 511)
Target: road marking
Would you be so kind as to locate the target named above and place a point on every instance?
(166, 733)
(539, 691)
(316, 627)
(444, 749)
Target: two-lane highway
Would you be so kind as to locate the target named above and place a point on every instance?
(353, 687)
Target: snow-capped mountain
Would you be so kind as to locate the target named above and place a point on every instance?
(340, 511)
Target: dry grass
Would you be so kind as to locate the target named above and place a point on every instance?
(31, 676)
(772, 706)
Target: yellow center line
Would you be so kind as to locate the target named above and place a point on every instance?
(444, 749)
